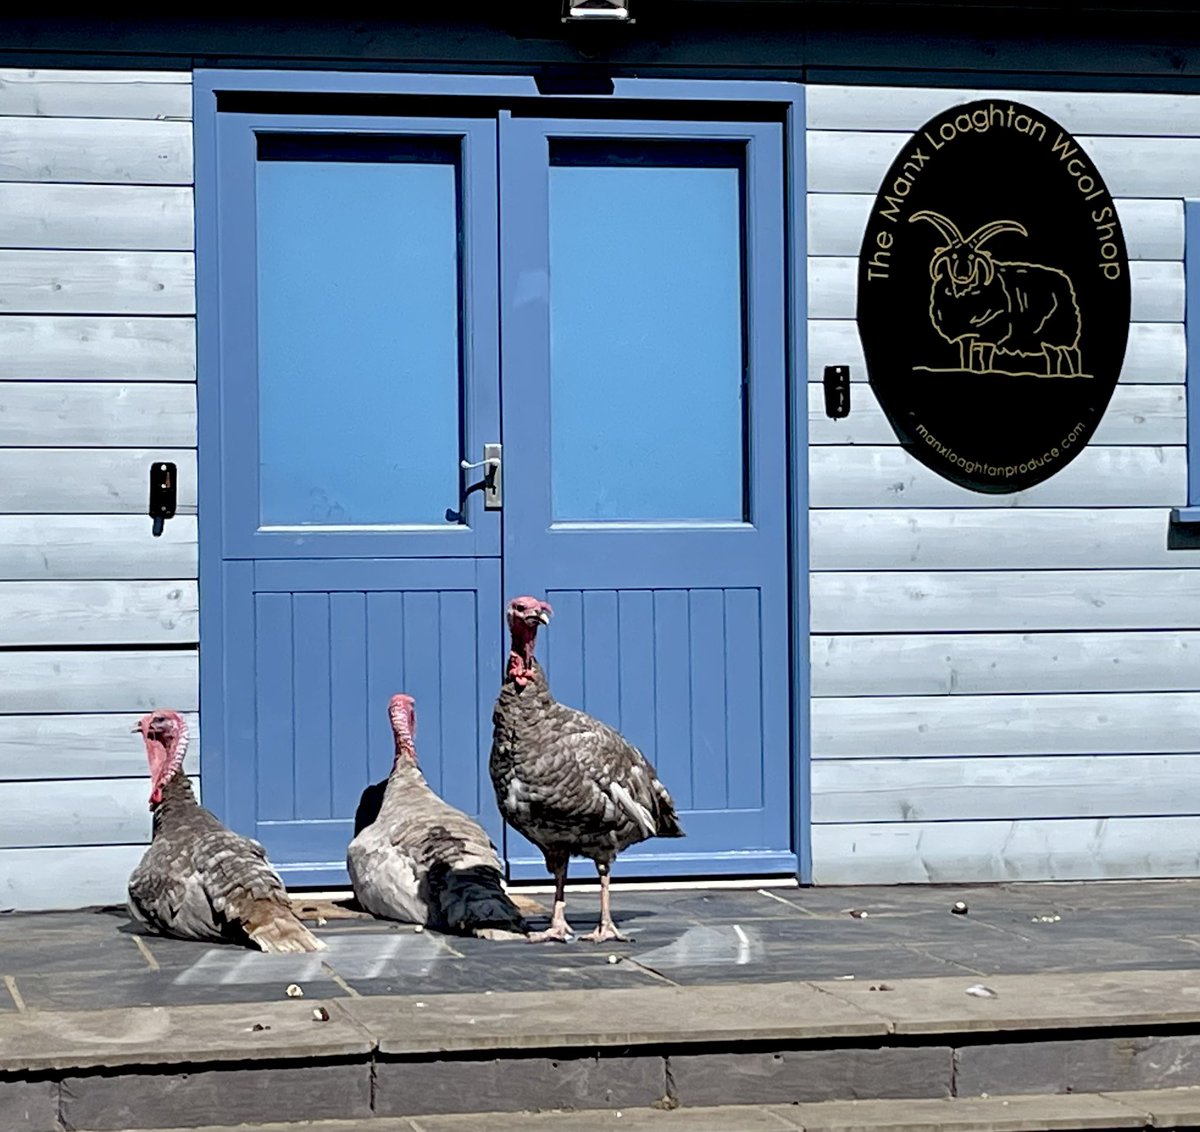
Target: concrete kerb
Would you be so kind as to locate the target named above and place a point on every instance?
(917, 1040)
(481, 1023)
(1166, 1108)
(1066, 1001)
(42, 1040)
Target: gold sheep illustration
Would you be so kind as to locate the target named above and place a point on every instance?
(989, 306)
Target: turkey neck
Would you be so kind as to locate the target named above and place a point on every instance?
(529, 701)
(177, 798)
(405, 774)
(521, 662)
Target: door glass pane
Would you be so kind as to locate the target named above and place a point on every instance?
(646, 323)
(358, 319)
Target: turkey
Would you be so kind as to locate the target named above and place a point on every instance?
(199, 880)
(568, 782)
(423, 861)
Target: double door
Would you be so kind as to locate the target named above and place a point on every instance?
(599, 305)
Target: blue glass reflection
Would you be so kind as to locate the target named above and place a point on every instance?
(358, 342)
(646, 342)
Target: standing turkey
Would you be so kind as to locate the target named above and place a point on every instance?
(568, 782)
(420, 859)
(199, 880)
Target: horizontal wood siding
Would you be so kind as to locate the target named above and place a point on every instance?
(956, 664)
(61, 282)
(61, 547)
(97, 380)
(112, 217)
(1004, 686)
(97, 414)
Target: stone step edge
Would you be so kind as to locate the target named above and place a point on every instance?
(515, 1022)
(1118, 1111)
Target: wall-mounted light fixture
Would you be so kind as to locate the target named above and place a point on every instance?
(612, 10)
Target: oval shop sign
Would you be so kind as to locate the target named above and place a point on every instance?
(993, 296)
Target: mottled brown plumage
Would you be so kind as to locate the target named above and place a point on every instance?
(568, 782)
(422, 861)
(199, 880)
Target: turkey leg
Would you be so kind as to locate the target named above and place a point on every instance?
(606, 929)
(559, 929)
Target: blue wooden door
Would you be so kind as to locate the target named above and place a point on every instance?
(357, 366)
(368, 270)
(645, 458)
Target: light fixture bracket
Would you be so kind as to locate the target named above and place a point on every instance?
(596, 11)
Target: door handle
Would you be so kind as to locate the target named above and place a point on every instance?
(492, 493)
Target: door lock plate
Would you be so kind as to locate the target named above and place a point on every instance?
(493, 495)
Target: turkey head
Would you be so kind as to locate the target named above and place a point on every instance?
(525, 615)
(166, 737)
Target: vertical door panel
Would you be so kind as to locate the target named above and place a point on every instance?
(358, 368)
(644, 409)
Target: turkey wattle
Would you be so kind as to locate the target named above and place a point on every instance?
(569, 783)
(199, 880)
(423, 861)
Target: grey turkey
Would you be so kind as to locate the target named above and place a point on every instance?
(569, 783)
(199, 880)
(422, 861)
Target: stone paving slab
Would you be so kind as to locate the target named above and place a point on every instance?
(1167, 1108)
(649, 1016)
(1032, 1002)
(163, 1035)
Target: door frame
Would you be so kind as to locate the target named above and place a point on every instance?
(781, 101)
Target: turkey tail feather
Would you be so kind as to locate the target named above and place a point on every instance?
(667, 820)
(473, 899)
(668, 825)
(275, 928)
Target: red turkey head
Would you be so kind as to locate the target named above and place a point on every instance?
(528, 612)
(166, 737)
(402, 711)
(525, 615)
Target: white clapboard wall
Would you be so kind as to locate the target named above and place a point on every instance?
(98, 619)
(1004, 687)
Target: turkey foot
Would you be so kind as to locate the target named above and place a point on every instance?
(606, 931)
(560, 932)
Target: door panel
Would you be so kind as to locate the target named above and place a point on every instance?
(644, 405)
(322, 732)
(646, 313)
(374, 345)
(359, 359)
(330, 647)
(358, 368)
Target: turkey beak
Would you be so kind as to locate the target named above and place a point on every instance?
(543, 617)
(135, 729)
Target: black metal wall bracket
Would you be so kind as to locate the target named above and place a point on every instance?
(837, 391)
(164, 480)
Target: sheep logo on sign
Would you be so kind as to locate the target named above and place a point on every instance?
(987, 306)
(993, 353)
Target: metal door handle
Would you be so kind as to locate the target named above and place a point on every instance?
(492, 495)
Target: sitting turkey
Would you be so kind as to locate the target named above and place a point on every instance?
(199, 880)
(568, 782)
(420, 859)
